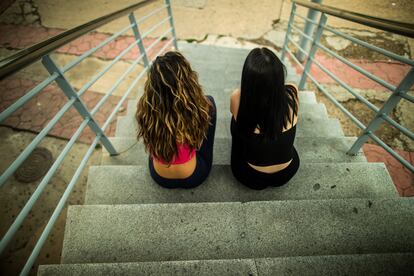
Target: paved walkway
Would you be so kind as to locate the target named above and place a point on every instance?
(35, 115)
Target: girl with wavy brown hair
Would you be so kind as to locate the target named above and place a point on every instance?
(177, 123)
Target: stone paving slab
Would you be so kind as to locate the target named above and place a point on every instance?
(20, 37)
(389, 71)
(401, 176)
(38, 111)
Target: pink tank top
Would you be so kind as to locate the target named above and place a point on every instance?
(184, 155)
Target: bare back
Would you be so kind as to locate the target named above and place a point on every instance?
(234, 108)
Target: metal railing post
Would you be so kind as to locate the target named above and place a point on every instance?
(316, 39)
(138, 37)
(289, 29)
(169, 9)
(79, 105)
(388, 106)
(309, 27)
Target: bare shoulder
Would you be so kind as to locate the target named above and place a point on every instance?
(296, 91)
(235, 102)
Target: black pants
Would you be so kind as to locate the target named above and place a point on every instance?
(256, 180)
(204, 157)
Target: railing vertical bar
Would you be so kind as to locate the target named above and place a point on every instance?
(388, 106)
(20, 159)
(304, 42)
(318, 35)
(58, 209)
(169, 9)
(138, 38)
(24, 99)
(344, 60)
(79, 105)
(288, 31)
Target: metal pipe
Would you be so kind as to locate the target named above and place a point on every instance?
(58, 210)
(288, 31)
(405, 29)
(29, 95)
(27, 56)
(304, 43)
(169, 9)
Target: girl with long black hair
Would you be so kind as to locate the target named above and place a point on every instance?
(263, 124)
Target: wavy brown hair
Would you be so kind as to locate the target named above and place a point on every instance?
(173, 108)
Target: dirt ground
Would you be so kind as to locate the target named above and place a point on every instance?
(14, 195)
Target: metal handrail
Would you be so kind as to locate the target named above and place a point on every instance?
(16, 62)
(397, 92)
(392, 26)
(27, 56)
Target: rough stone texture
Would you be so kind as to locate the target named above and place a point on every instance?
(20, 37)
(332, 149)
(316, 126)
(38, 111)
(14, 195)
(404, 111)
(85, 71)
(166, 232)
(239, 267)
(154, 233)
(363, 264)
(134, 185)
(327, 227)
(402, 177)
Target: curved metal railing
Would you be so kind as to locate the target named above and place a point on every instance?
(42, 51)
(398, 92)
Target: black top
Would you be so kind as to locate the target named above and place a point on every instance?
(255, 150)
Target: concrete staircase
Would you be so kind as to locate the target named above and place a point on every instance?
(338, 215)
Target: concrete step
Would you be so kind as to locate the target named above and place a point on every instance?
(191, 231)
(173, 268)
(218, 57)
(319, 150)
(221, 66)
(306, 99)
(309, 125)
(134, 185)
(364, 264)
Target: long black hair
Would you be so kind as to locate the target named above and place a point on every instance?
(265, 102)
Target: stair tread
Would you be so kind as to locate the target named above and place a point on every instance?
(365, 264)
(166, 232)
(319, 149)
(309, 125)
(133, 185)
